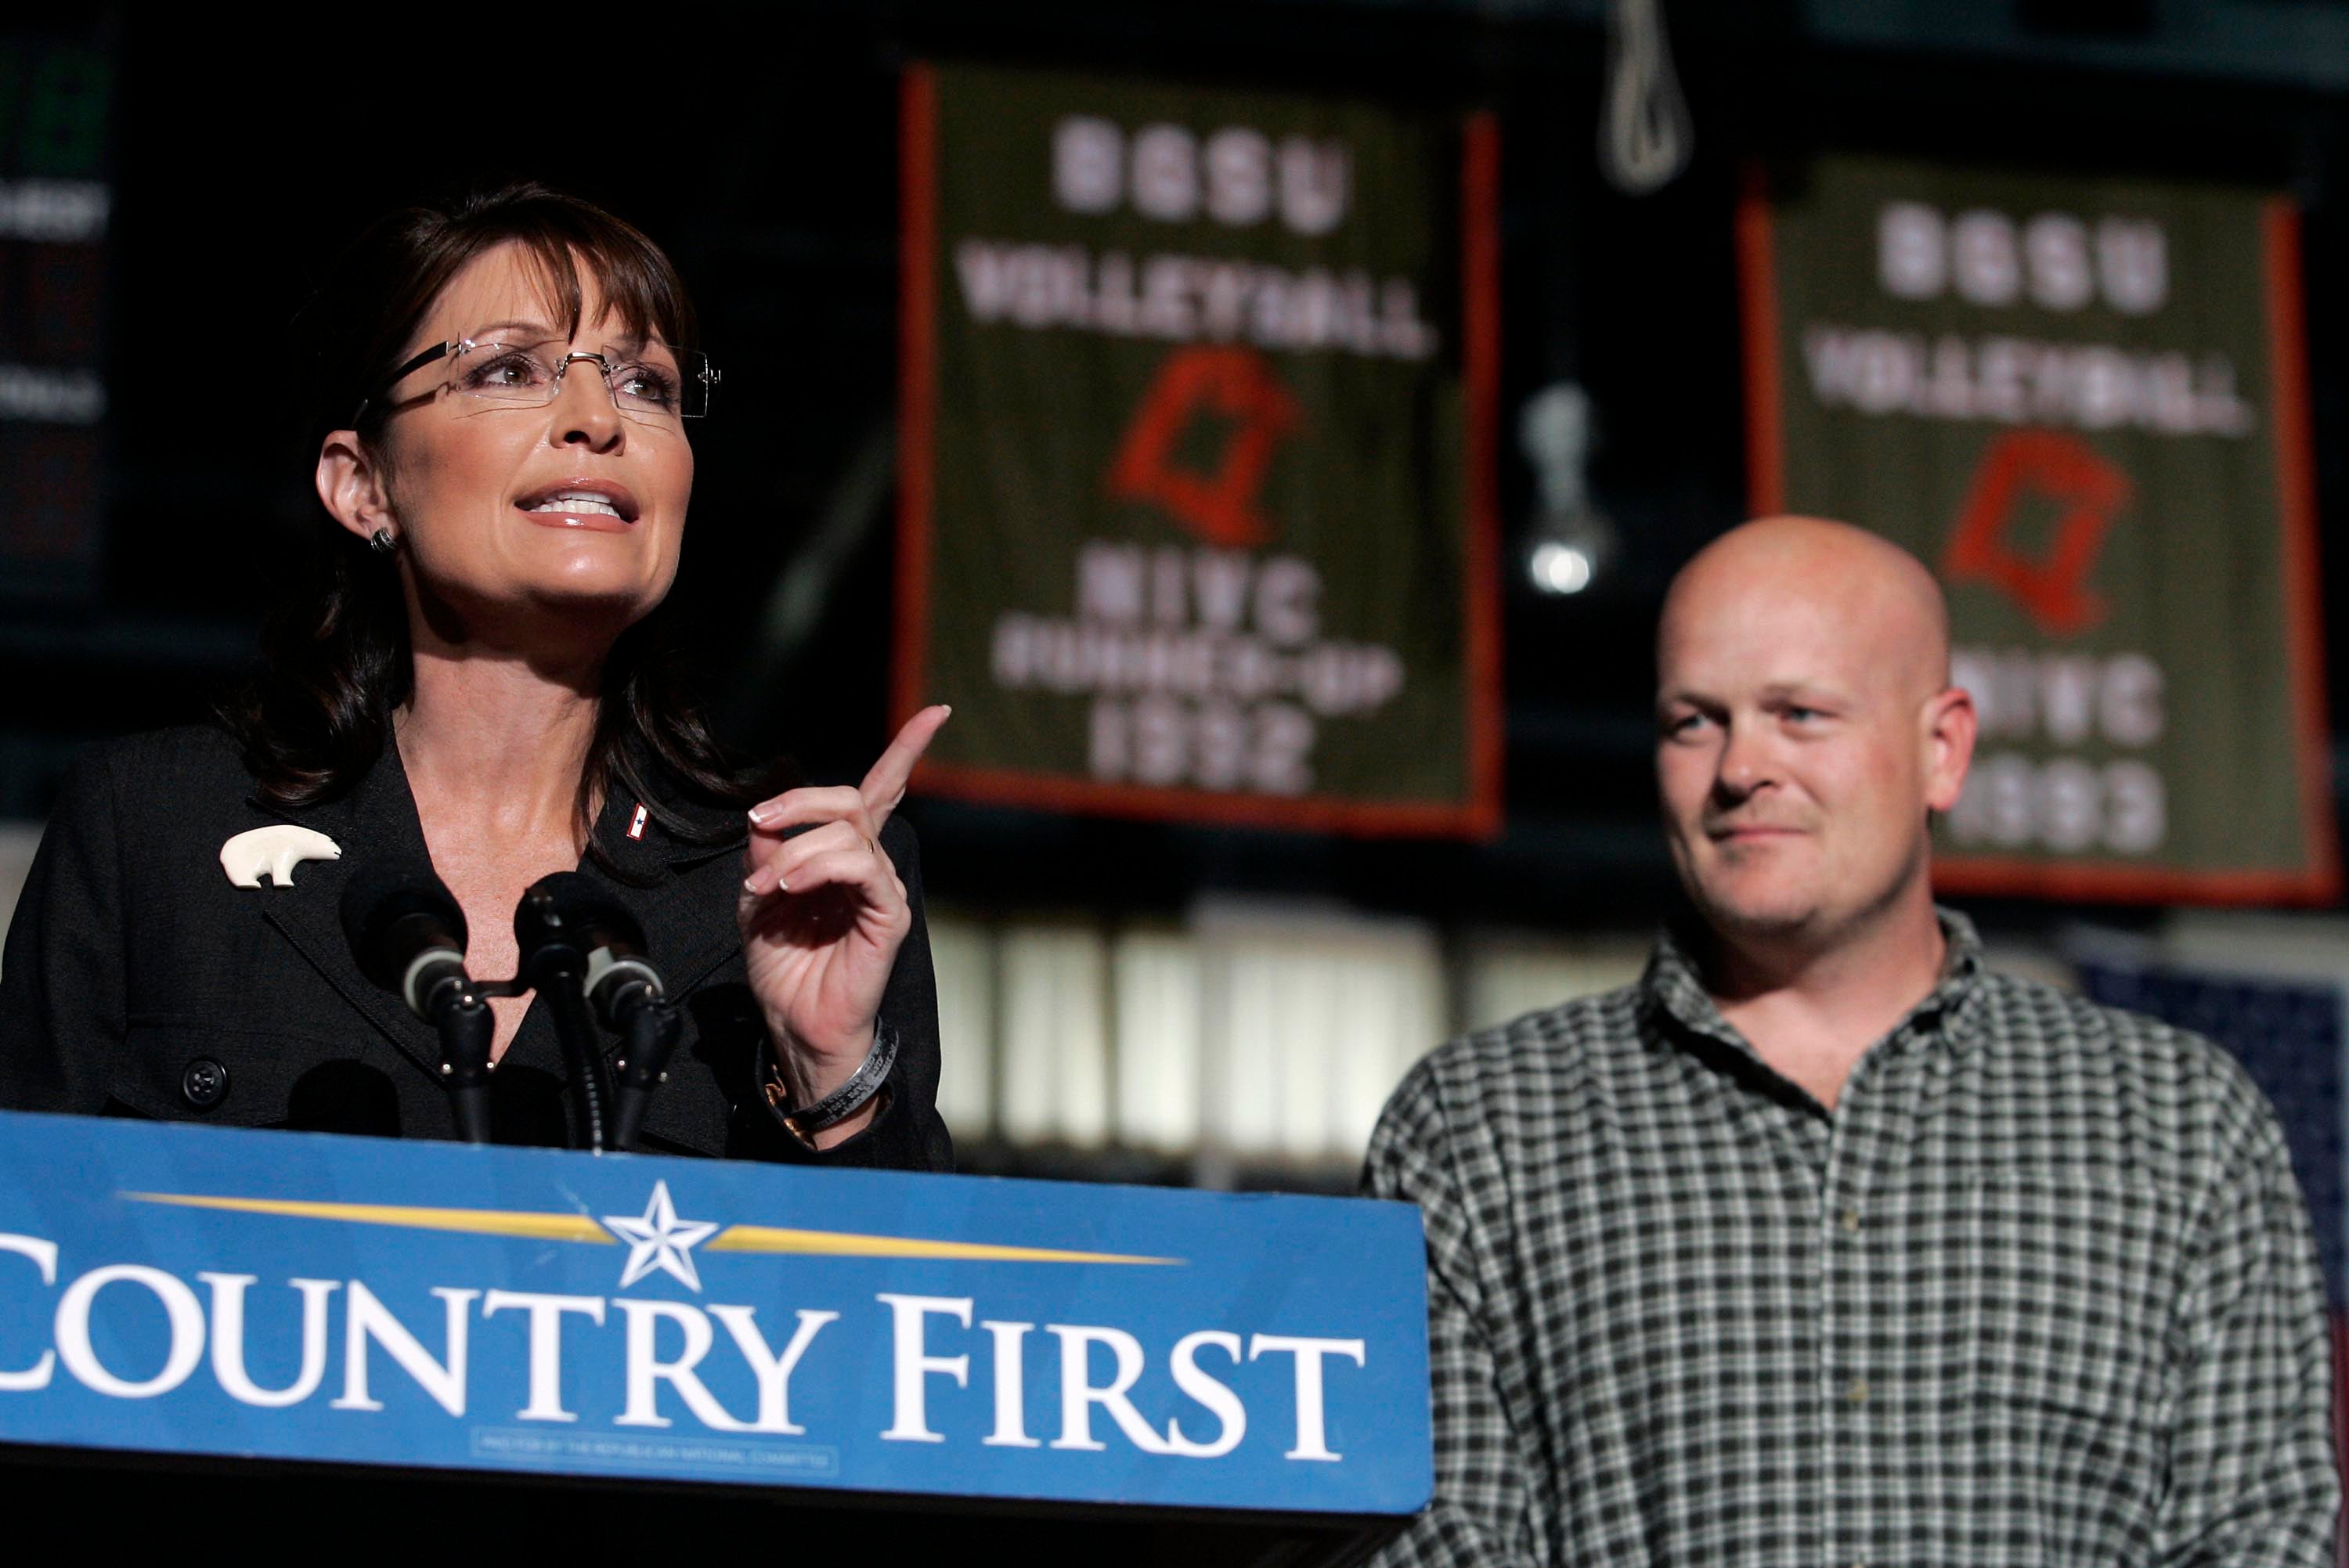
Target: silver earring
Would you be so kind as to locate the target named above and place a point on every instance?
(383, 541)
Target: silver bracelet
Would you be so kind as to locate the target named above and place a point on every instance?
(841, 1103)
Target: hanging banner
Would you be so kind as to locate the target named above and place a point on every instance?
(2083, 403)
(1196, 474)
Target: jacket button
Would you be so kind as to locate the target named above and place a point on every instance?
(204, 1084)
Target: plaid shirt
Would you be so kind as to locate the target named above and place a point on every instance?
(2040, 1289)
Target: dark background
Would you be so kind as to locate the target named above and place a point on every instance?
(759, 143)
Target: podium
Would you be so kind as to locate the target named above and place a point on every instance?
(302, 1341)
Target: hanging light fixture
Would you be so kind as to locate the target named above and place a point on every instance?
(1571, 543)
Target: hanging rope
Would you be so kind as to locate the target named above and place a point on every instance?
(1645, 136)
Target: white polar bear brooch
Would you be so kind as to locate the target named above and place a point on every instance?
(277, 848)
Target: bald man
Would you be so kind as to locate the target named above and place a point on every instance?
(1822, 1244)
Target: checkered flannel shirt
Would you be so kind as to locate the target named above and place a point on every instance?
(2040, 1289)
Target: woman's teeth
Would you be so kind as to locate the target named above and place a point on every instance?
(596, 505)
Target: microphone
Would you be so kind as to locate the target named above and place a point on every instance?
(408, 935)
(554, 965)
(617, 979)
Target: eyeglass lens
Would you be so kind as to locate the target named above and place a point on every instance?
(653, 382)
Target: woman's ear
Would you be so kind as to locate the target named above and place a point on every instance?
(351, 485)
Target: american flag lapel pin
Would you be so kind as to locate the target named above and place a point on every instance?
(636, 822)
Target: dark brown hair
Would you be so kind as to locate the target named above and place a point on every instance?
(336, 652)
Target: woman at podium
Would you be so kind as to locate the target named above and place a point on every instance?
(503, 393)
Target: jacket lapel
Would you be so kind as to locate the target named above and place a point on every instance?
(690, 931)
(374, 821)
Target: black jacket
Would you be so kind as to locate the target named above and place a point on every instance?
(140, 980)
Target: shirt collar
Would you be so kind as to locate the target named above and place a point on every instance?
(1674, 986)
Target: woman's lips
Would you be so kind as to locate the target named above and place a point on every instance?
(591, 521)
(597, 505)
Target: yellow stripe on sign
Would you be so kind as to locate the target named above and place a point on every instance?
(846, 1244)
(469, 1221)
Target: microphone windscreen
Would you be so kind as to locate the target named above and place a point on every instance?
(392, 912)
(582, 909)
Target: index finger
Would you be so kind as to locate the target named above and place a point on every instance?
(884, 786)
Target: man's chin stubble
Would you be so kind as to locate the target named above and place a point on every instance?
(1758, 923)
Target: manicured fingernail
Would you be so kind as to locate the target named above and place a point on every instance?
(761, 811)
(783, 886)
(750, 882)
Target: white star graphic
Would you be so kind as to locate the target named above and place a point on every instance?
(660, 1241)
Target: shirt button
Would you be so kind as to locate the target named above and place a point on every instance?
(1851, 1221)
(1858, 1392)
(204, 1084)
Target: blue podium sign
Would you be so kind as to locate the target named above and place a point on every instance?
(289, 1296)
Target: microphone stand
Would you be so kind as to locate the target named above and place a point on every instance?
(649, 1026)
(584, 953)
(408, 935)
(558, 970)
(558, 985)
(466, 1026)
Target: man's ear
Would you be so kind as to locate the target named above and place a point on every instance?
(1950, 726)
(350, 485)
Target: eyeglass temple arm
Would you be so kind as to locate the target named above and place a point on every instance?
(438, 351)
